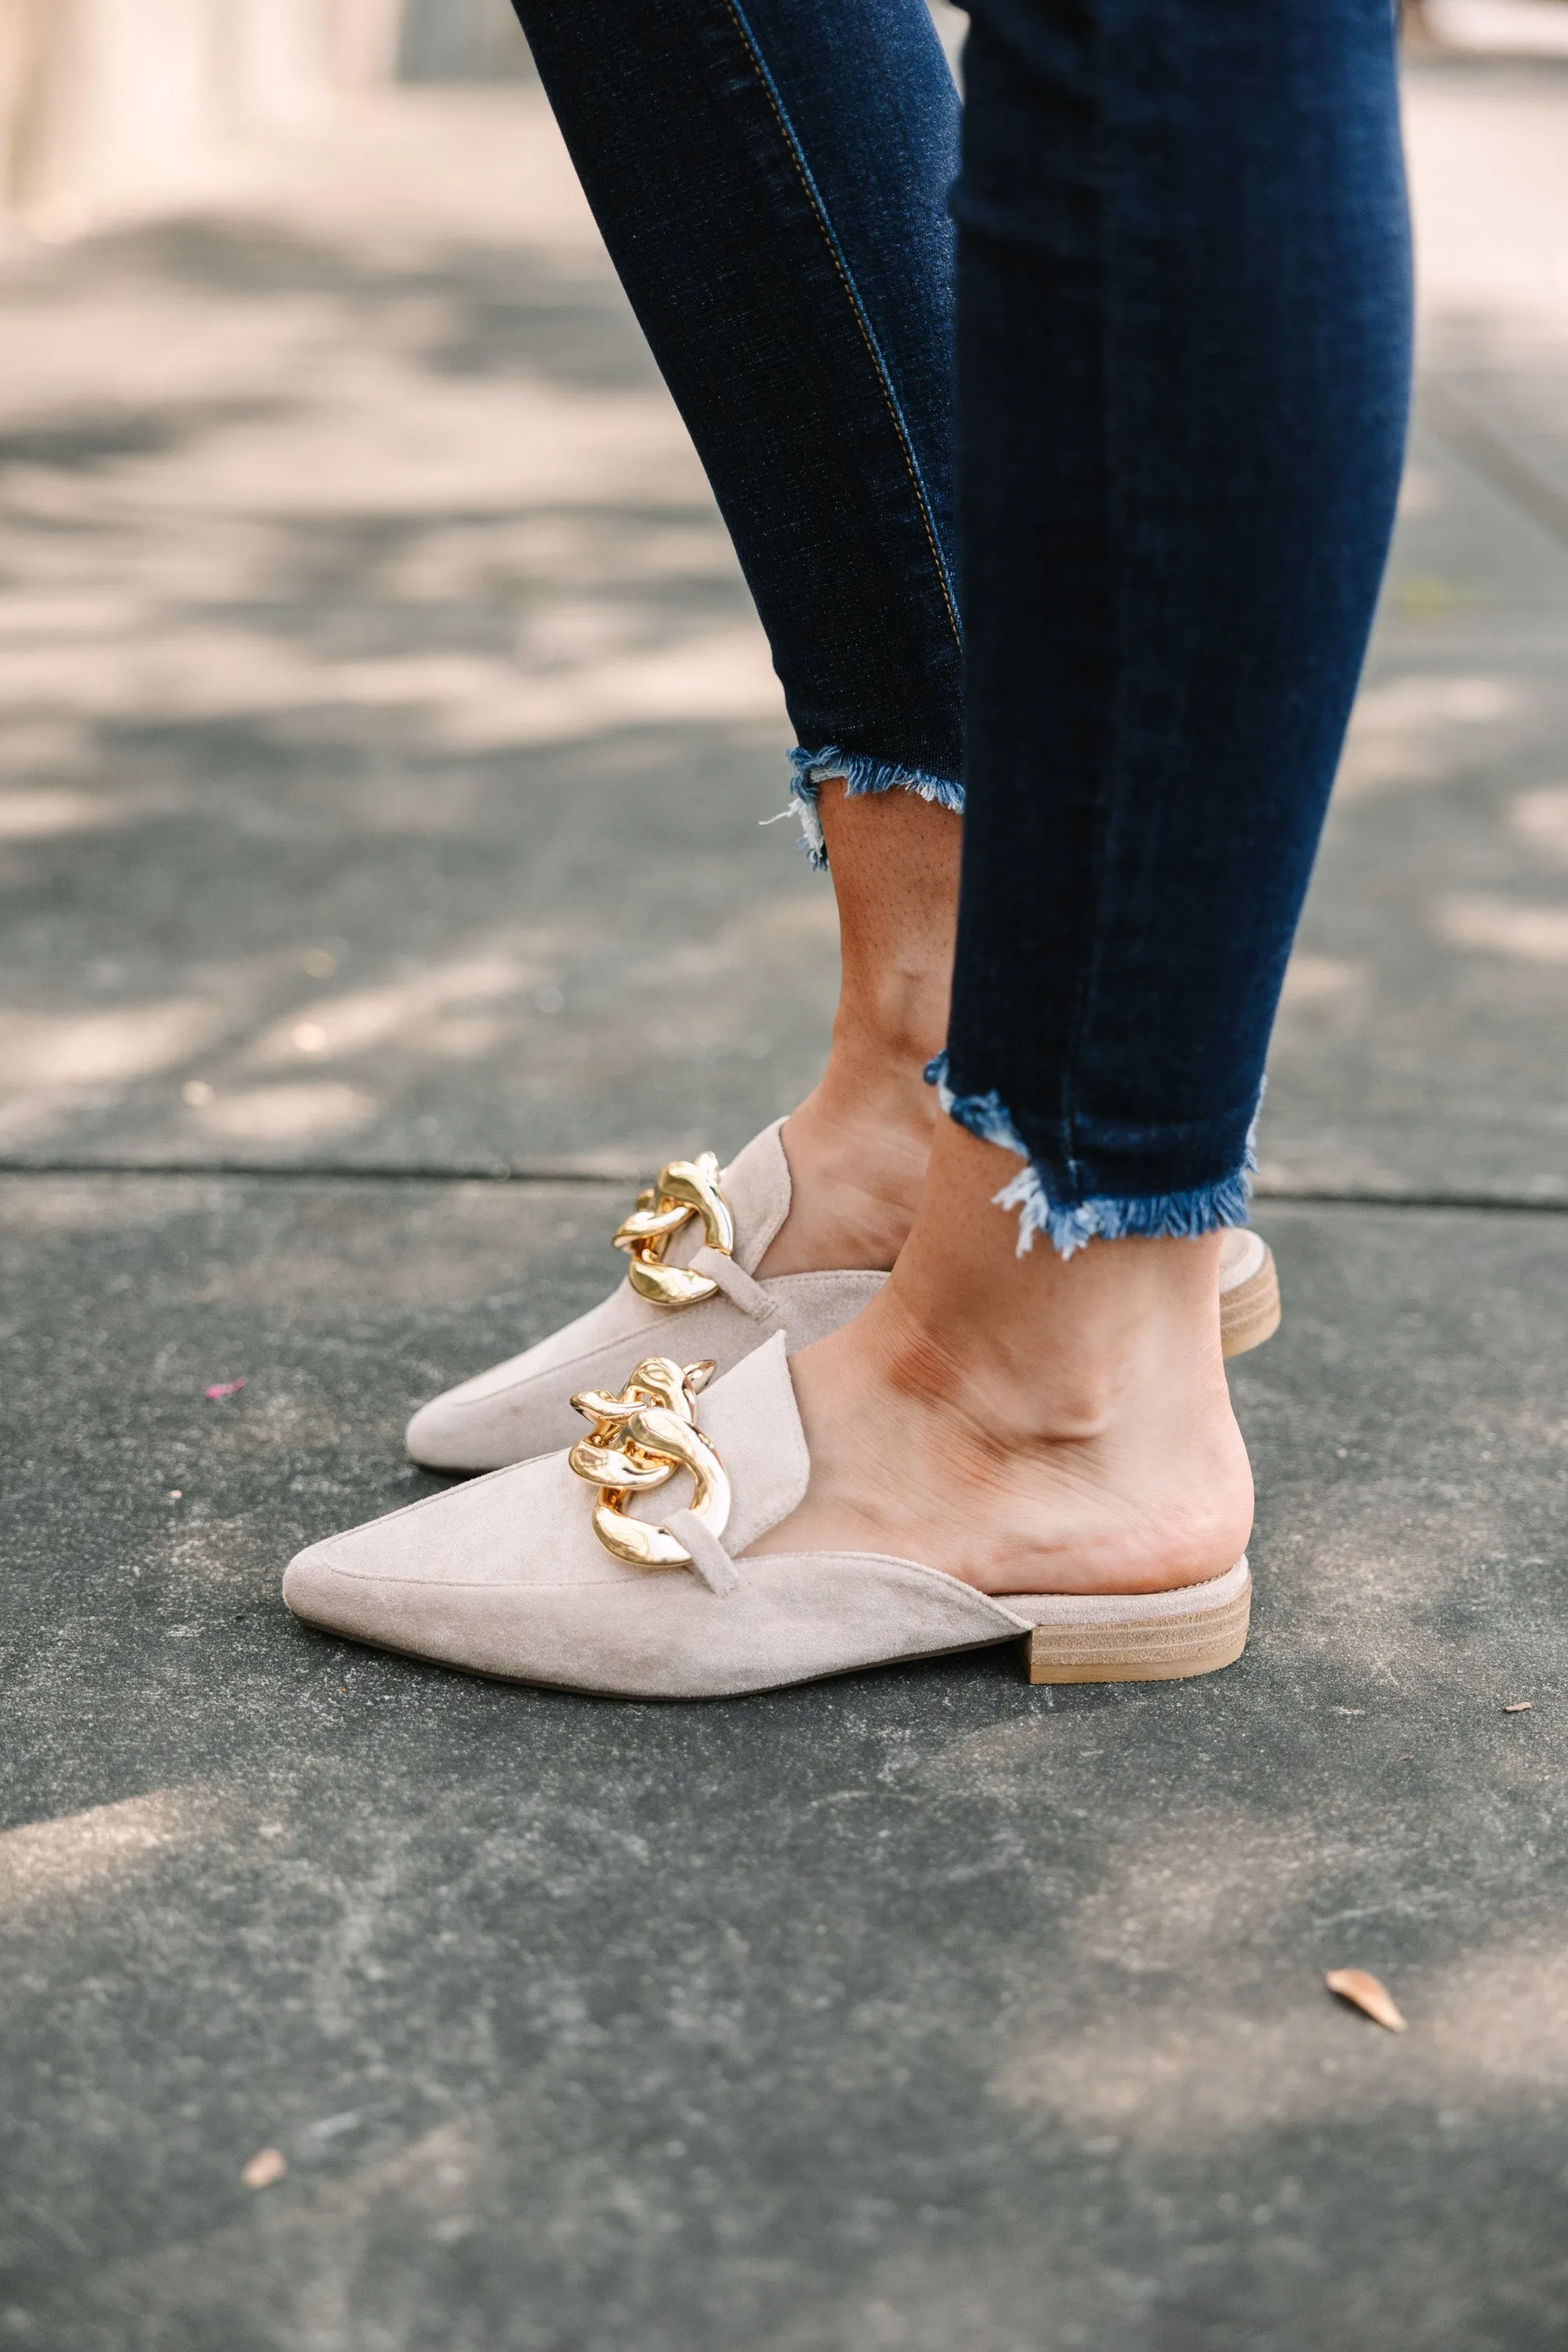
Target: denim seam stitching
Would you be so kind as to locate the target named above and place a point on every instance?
(1083, 995)
(858, 308)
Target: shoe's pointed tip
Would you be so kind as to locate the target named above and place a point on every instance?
(305, 1586)
(431, 1441)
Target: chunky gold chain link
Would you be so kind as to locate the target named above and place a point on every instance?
(638, 1440)
(686, 1188)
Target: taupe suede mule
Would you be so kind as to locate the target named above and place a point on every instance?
(695, 1241)
(561, 1571)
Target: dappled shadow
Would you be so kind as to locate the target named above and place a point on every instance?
(486, 307)
(281, 951)
(92, 439)
(382, 614)
(871, 2012)
(382, 714)
(1425, 1020)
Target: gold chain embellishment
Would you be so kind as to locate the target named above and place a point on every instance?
(639, 1440)
(686, 1188)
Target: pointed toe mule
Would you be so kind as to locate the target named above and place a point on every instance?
(573, 1571)
(694, 1242)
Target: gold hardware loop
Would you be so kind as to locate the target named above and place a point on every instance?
(638, 1440)
(686, 1188)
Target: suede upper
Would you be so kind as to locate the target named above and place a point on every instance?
(505, 1576)
(523, 1407)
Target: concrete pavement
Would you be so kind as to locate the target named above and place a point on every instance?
(384, 727)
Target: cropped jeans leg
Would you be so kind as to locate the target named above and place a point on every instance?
(770, 179)
(1184, 340)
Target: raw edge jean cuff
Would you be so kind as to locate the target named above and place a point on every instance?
(860, 773)
(1067, 1225)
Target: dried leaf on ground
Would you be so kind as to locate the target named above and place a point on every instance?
(1364, 1992)
(267, 2165)
(1519, 1707)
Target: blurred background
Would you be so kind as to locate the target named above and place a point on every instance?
(381, 711)
(105, 104)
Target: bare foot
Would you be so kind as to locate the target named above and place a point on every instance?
(1052, 1427)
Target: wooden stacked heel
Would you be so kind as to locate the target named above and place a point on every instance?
(1144, 1637)
(1249, 1309)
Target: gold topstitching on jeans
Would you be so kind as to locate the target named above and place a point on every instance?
(855, 305)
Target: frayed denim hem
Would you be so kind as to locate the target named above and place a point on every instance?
(1160, 1217)
(860, 773)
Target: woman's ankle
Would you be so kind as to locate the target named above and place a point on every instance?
(858, 1146)
(858, 1152)
(1028, 1424)
(913, 1457)
(1057, 1350)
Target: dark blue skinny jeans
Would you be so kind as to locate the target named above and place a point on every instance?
(1167, 411)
